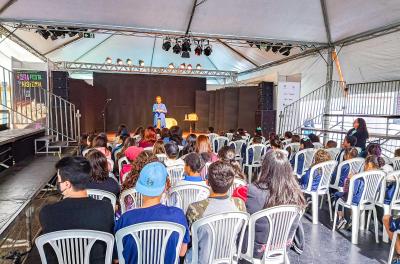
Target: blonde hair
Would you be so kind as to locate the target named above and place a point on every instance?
(203, 144)
(158, 147)
(321, 156)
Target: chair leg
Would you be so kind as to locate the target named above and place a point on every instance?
(369, 219)
(356, 224)
(335, 216)
(385, 236)
(249, 173)
(330, 205)
(322, 201)
(376, 225)
(392, 248)
(314, 200)
(362, 219)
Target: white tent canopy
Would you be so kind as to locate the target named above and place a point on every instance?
(228, 23)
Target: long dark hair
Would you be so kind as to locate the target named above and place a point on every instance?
(362, 126)
(277, 177)
(228, 154)
(128, 142)
(190, 144)
(98, 163)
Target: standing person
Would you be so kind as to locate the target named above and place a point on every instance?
(360, 132)
(159, 111)
(76, 210)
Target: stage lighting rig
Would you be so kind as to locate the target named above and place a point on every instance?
(120, 62)
(198, 67)
(285, 51)
(189, 67)
(166, 44)
(182, 66)
(177, 47)
(171, 66)
(108, 60)
(129, 62)
(208, 50)
(141, 63)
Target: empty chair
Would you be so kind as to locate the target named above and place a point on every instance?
(100, 195)
(308, 156)
(323, 170)
(74, 246)
(121, 162)
(211, 137)
(355, 166)
(150, 240)
(236, 183)
(368, 197)
(238, 146)
(161, 157)
(333, 152)
(183, 195)
(223, 231)
(254, 155)
(219, 142)
(292, 148)
(280, 220)
(130, 199)
(175, 173)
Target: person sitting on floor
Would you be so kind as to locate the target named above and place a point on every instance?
(151, 184)
(99, 175)
(320, 156)
(220, 178)
(76, 210)
(172, 151)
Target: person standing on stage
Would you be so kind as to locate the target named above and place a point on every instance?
(159, 111)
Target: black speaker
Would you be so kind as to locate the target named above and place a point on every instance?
(266, 120)
(61, 84)
(265, 96)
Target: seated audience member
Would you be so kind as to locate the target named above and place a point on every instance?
(165, 135)
(305, 143)
(397, 153)
(314, 138)
(190, 144)
(149, 138)
(210, 130)
(139, 132)
(241, 132)
(349, 153)
(151, 184)
(172, 151)
(76, 210)
(131, 154)
(99, 175)
(122, 132)
(100, 143)
(220, 178)
(89, 144)
(331, 144)
(176, 135)
(288, 136)
(372, 162)
(392, 224)
(320, 156)
(158, 147)
(275, 186)
(258, 132)
(348, 142)
(83, 144)
(193, 166)
(295, 139)
(203, 148)
(129, 142)
(158, 133)
(227, 154)
(360, 132)
(275, 144)
(257, 140)
(374, 149)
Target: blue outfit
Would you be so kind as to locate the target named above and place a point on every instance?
(300, 164)
(157, 212)
(315, 180)
(192, 178)
(344, 173)
(390, 188)
(159, 116)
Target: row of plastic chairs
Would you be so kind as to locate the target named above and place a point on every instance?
(224, 230)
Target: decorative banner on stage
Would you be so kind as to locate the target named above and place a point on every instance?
(27, 81)
(288, 93)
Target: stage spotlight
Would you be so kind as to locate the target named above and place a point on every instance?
(208, 50)
(171, 66)
(285, 51)
(186, 45)
(182, 66)
(198, 50)
(268, 47)
(141, 63)
(167, 44)
(189, 67)
(129, 62)
(177, 48)
(251, 44)
(276, 47)
(53, 36)
(108, 60)
(198, 67)
(119, 62)
(44, 33)
(185, 54)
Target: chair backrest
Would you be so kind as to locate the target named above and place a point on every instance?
(355, 164)
(333, 152)
(137, 138)
(183, 195)
(387, 168)
(238, 145)
(396, 163)
(175, 173)
(161, 157)
(318, 145)
(74, 246)
(292, 148)
(130, 199)
(223, 230)
(308, 159)
(258, 151)
(229, 136)
(151, 240)
(281, 220)
(122, 161)
(325, 169)
(100, 195)
(219, 142)
(148, 149)
(211, 137)
(372, 182)
(236, 183)
(286, 142)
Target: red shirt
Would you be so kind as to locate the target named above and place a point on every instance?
(145, 144)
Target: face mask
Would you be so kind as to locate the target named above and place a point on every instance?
(59, 188)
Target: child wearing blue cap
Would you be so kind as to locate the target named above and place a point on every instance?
(151, 184)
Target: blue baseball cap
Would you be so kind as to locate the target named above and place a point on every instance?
(152, 179)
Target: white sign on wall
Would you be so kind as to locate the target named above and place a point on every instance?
(288, 92)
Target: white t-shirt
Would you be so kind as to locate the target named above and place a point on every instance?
(170, 162)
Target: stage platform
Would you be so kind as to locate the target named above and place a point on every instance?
(13, 135)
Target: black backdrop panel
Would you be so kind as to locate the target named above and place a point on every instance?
(267, 120)
(202, 110)
(266, 96)
(211, 114)
(248, 102)
(231, 104)
(133, 96)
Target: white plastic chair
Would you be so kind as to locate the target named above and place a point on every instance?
(161, 157)
(223, 230)
(182, 196)
(326, 169)
(259, 151)
(148, 149)
(396, 163)
(308, 159)
(121, 161)
(286, 142)
(292, 148)
(333, 152)
(356, 166)
(100, 195)
(74, 246)
(236, 183)
(372, 182)
(151, 240)
(281, 220)
(393, 246)
(317, 145)
(211, 137)
(219, 142)
(229, 136)
(238, 145)
(387, 168)
(135, 197)
(175, 173)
